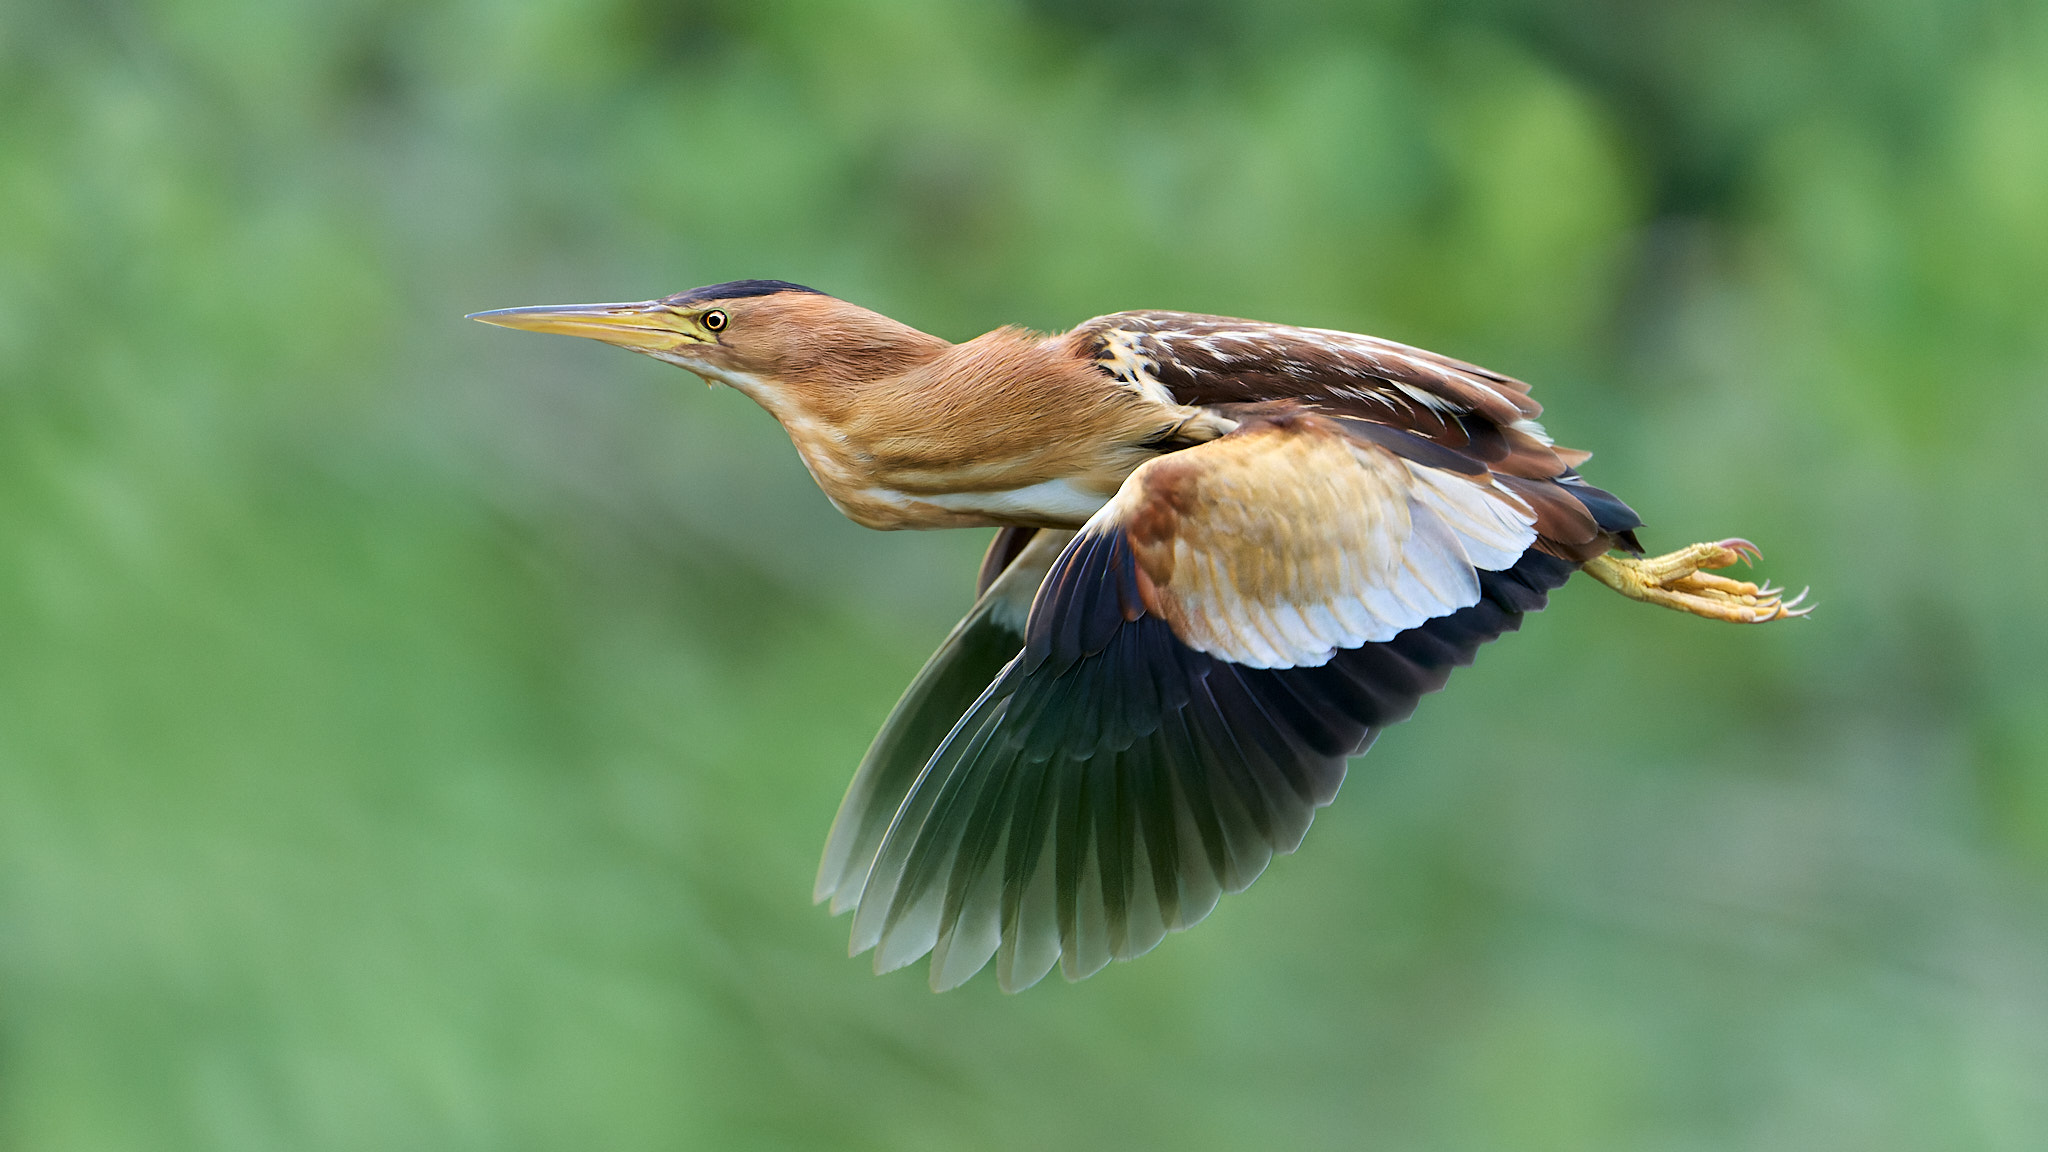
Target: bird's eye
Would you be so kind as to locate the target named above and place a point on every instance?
(714, 321)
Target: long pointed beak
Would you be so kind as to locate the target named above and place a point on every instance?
(648, 326)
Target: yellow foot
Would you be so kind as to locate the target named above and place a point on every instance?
(1674, 580)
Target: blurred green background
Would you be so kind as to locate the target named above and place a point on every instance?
(415, 735)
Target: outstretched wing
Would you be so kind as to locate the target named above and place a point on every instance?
(1134, 760)
(1481, 415)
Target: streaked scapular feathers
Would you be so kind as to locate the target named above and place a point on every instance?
(1230, 553)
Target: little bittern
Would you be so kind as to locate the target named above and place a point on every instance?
(1229, 554)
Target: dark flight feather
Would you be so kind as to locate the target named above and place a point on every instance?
(1112, 782)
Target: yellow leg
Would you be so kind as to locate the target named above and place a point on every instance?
(1674, 580)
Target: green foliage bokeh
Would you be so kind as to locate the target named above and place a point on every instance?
(415, 735)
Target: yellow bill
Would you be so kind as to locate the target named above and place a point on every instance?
(649, 326)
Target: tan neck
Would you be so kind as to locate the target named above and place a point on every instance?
(1005, 411)
(839, 351)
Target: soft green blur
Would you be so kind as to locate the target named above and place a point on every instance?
(417, 735)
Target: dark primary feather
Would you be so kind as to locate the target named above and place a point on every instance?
(1113, 782)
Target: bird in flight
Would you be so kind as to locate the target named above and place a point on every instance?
(1229, 554)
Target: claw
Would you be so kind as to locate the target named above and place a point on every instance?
(1750, 553)
(1778, 608)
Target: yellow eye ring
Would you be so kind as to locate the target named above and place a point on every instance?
(714, 321)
